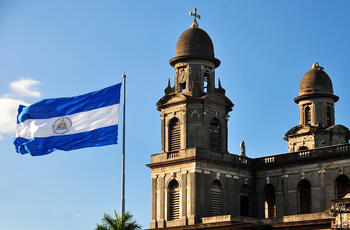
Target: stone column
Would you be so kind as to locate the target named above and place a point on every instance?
(184, 195)
(162, 131)
(161, 202)
(191, 202)
(284, 210)
(236, 189)
(154, 202)
(229, 195)
(323, 189)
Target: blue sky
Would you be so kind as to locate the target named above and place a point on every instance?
(64, 48)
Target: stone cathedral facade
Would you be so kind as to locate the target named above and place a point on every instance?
(198, 184)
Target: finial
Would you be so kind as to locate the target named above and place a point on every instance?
(168, 89)
(195, 16)
(243, 148)
(317, 66)
(219, 83)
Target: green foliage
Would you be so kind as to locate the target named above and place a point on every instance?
(124, 222)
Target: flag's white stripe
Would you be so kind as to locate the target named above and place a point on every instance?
(81, 122)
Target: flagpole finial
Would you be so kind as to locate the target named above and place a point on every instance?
(195, 16)
(123, 75)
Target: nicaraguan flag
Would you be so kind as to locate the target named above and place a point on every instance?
(69, 123)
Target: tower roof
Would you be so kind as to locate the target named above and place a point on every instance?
(315, 83)
(194, 43)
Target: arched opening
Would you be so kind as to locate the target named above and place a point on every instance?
(304, 191)
(205, 81)
(307, 115)
(270, 201)
(342, 186)
(329, 116)
(174, 134)
(182, 78)
(216, 198)
(303, 148)
(173, 200)
(215, 135)
(244, 200)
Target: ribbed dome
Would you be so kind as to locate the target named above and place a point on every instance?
(315, 83)
(194, 43)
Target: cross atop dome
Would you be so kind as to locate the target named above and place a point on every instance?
(195, 16)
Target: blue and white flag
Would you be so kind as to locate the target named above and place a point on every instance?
(69, 123)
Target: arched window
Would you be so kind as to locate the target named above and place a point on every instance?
(174, 134)
(174, 200)
(303, 148)
(304, 191)
(215, 198)
(342, 186)
(329, 116)
(244, 200)
(307, 115)
(270, 201)
(205, 81)
(215, 135)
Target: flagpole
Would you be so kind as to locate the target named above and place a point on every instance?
(123, 151)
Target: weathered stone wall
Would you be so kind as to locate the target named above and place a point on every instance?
(321, 174)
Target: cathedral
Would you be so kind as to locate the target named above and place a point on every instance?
(198, 184)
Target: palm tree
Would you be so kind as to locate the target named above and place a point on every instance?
(124, 222)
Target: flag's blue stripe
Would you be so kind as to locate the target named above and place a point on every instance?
(44, 145)
(58, 107)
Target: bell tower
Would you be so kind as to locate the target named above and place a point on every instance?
(194, 115)
(316, 114)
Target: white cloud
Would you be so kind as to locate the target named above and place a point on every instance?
(25, 87)
(8, 114)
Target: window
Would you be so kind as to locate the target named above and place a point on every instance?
(215, 199)
(329, 116)
(174, 200)
(182, 78)
(307, 115)
(205, 82)
(304, 191)
(270, 201)
(342, 186)
(303, 148)
(174, 134)
(215, 135)
(244, 200)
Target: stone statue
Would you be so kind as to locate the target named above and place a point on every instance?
(242, 148)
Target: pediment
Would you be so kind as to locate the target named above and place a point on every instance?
(339, 129)
(171, 99)
(220, 99)
(299, 130)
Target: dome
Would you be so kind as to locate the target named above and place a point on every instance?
(194, 43)
(315, 83)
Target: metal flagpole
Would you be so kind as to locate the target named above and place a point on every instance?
(123, 151)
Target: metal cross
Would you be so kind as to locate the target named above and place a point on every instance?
(195, 16)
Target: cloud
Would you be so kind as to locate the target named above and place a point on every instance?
(25, 87)
(8, 114)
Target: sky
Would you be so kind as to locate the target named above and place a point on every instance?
(62, 48)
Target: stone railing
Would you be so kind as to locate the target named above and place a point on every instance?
(331, 152)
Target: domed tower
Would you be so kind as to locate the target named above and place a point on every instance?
(194, 115)
(197, 107)
(316, 114)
